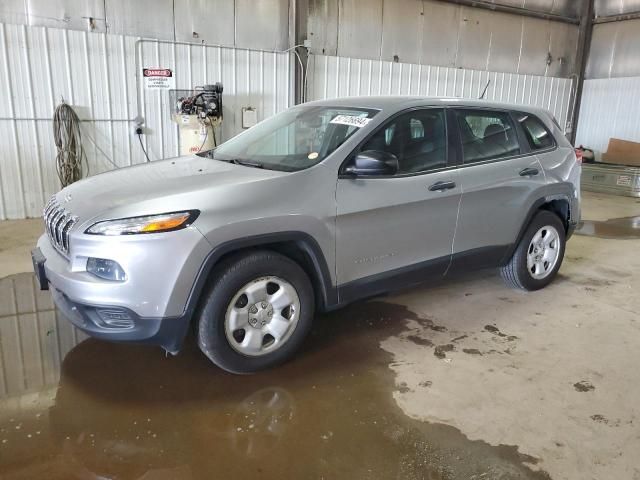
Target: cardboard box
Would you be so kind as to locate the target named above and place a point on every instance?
(622, 152)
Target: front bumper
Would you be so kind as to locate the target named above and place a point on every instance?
(150, 306)
(112, 323)
(123, 325)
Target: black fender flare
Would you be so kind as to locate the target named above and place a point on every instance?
(530, 214)
(327, 294)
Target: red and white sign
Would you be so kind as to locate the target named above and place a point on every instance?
(158, 79)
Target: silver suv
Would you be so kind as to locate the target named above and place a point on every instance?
(324, 204)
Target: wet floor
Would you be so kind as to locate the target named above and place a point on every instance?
(80, 408)
(614, 228)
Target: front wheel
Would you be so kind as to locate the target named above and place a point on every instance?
(257, 313)
(539, 254)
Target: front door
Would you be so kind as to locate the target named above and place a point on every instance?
(396, 230)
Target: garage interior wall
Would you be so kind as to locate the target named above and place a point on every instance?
(444, 34)
(413, 47)
(334, 77)
(89, 52)
(96, 73)
(610, 104)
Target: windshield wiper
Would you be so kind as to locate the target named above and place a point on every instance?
(244, 163)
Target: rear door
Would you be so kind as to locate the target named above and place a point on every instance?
(499, 176)
(394, 230)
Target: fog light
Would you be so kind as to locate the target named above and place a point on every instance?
(107, 269)
(115, 318)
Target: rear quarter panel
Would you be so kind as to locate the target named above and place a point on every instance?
(562, 172)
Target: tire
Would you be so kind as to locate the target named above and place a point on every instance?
(519, 273)
(249, 291)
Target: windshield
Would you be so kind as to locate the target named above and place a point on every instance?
(295, 139)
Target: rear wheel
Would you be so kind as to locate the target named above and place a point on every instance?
(257, 313)
(538, 257)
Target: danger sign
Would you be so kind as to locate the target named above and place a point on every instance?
(158, 79)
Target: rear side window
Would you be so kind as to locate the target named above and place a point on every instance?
(486, 135)
(537, 134)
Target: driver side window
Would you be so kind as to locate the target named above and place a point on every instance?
(417, 138)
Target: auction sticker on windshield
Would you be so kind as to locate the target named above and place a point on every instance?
(351, 120)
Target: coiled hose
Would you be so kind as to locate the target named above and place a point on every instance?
(68, 139)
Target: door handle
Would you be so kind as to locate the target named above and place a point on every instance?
(529, 172)
(442, 186)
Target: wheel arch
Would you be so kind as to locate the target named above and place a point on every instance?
(559, 204)
(300, 247)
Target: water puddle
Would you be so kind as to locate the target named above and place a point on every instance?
(72, 407)
(615, 228)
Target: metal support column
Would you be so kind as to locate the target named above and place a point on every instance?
(584, 42)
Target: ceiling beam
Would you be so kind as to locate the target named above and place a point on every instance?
(617, 18)
(514, 10)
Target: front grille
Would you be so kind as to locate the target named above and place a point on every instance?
(58, 223)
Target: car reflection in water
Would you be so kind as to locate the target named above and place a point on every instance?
(130, 413)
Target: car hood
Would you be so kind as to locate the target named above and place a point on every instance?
(157, 187)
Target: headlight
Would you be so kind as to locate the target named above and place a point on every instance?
(166, 222)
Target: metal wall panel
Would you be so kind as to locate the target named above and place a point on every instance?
(207, 21)
(474, 38)
(142, 18)
(565, 8)
(332, 77)
(402, 30)
(601, 51)
(608, 110)
(605, 8)
(506, 45)
(14, 11)
(614, 50)
(257, 24)
(262, 24)
(73, 14)
(96, 74)
(360, 28)
(322, 27)
(563, 45)
(548, 48)
(439, 33)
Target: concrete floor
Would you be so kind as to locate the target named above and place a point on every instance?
(466, 380)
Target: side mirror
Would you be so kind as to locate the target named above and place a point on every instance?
(373, 163)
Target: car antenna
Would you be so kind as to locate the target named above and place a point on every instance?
(485, 89)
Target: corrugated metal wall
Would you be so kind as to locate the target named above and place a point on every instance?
(605, 8)
(609, 109)
(258, 24)
(611, 94)
(332, 77)
(96, 73)
(34, 337)
(614, 50)
(444, 34)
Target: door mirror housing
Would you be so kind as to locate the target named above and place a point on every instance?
(373, 163)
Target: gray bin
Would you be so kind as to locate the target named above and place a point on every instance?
(614, 179)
